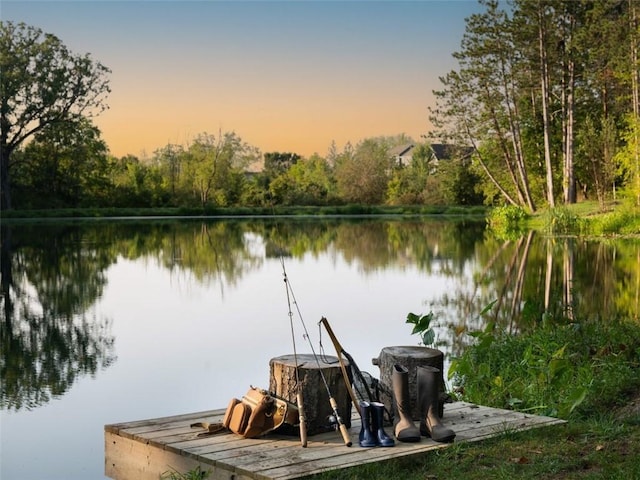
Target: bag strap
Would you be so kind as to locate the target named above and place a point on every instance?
(211, 428)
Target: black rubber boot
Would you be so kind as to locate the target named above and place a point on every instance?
(377, 425)
(428, 400)
(404, 430)
(366, 437)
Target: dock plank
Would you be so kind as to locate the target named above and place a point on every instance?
(144, 449)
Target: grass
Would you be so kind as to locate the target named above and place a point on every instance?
(195, 474)
(588, 449)
(588, 218)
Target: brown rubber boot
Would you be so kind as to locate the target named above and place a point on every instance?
(404, 430)
(428, 400)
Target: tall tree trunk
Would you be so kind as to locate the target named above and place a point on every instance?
(633, 38)
(569, 20)
(568, 176)
(516, 138)
(544, 87)
(5, 180)
(507, 156)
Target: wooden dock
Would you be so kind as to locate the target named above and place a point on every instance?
(145, 449)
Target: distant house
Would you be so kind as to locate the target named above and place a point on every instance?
(403, 154)
(443, 151)
(254, 168)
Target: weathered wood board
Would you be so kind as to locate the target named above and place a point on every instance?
(145, 449)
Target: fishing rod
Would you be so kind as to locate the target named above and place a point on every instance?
(301, 415)
(299, 399)
(334, 406)
(345, 374)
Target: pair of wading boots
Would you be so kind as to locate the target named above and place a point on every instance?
(428, 380)
(372, 433)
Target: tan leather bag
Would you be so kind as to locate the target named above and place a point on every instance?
(258, 413)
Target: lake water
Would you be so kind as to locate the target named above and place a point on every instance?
(110, 321)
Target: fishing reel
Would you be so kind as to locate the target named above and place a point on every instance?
(334, 421)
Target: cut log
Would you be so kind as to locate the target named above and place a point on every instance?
(317, 408)
(409, 357)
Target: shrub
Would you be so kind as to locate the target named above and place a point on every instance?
(507, 221)
(553, 369)
(560, 220)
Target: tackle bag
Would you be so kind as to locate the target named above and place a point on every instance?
(257, 413)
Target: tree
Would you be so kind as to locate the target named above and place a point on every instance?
(215, 167)
(479, 104)
(168, 161)
(408, 183)
(529, 77)
(64, 166)
(42, 83)
(362, 176)
(308, 182)
(276, 163)
(627, 157)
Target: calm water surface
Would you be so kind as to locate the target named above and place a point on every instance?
(111, 321)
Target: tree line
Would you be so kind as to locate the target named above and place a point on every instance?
(52, 154)
(546, 95)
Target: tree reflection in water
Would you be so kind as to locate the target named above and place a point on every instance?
(53, 273)
(46, 338)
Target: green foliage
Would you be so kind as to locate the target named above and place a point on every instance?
(196, 474)
(422, 326)
(277, 163)
(596, 147)
(408, 184)
(459, 183)
(518, 94)
(628, 158)
(64, 166)
(307, 182)
(507, 220)
(561, 220)
(621, 221)
(362, 175)
(42, 85)
(557, 369)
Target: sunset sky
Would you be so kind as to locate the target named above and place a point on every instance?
(288, 76)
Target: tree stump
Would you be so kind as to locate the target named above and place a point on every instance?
(317, 409)
(409, 357)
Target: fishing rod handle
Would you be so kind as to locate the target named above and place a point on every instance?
(302, 419)
(345, 435)
(343, 428)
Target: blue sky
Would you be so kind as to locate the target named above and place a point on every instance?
(284, 75)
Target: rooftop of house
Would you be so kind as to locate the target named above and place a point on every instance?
(401, 150)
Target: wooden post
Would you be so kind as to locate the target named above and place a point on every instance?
(410, 357)
(282, 382)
